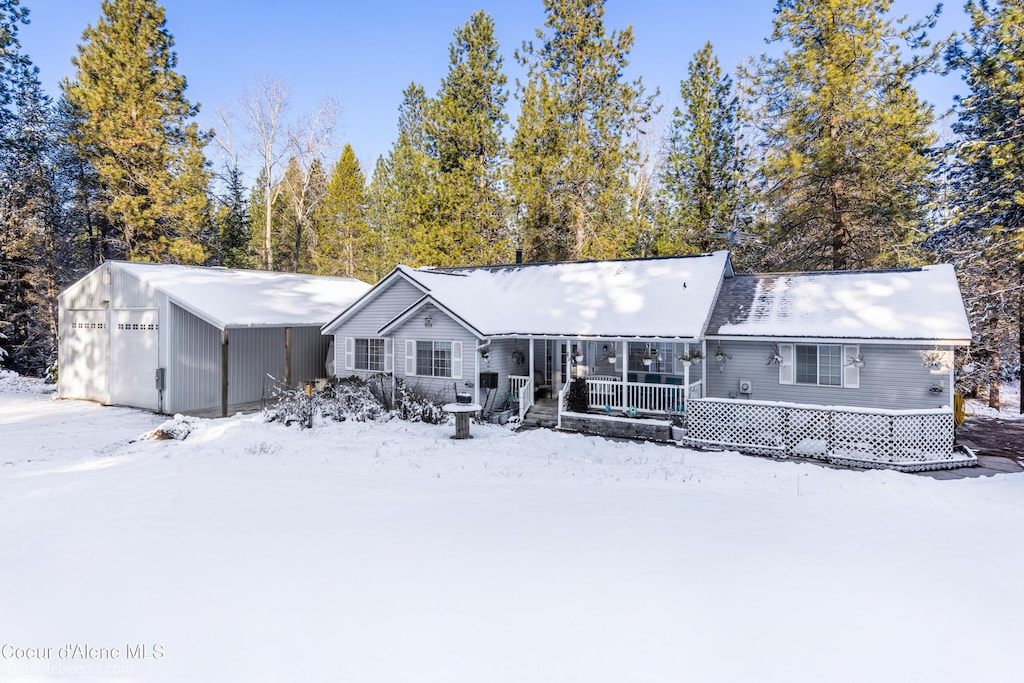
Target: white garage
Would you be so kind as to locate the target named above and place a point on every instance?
(178, 339)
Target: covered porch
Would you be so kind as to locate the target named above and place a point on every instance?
(639, 378)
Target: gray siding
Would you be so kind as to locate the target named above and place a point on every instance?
(377, 313)
(443, 329)
(893, 377)
(392, 302)
(500, 361)
(384, 307)
(193, 365)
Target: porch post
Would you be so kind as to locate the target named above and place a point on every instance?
(530, 368)
(625, 373)
(686, 382)
(224, 355)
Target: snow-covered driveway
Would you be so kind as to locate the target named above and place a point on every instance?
(389, 552)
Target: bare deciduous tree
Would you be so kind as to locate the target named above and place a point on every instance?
(264, 106)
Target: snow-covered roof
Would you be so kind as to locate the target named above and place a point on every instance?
(657, 297)
(227, 297)
(911, 304)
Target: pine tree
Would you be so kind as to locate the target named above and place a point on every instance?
(846, 141)
(576, 136)
(464, 125)
(234, 235)
(345, 244)
(136, 133)
(38, 255)
(401, 192)
(701, 170)
(986, 235)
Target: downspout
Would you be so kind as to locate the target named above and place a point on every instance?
(476, 363)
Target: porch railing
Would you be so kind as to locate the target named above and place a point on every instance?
(645, 398)
(522, 387)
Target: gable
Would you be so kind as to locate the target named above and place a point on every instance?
(365, 318)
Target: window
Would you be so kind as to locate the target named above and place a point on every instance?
(434, 358)
(661, 355)
(370, 355)
(820, 364)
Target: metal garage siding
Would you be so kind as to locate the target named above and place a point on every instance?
(193, 363)
(254, 353)
(309, 353)
(893, 377)
(128, 291)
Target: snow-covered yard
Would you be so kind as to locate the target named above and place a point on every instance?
(389, 552)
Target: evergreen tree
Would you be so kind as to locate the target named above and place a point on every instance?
(401, 191)
(576, 136)
(699, 178)
(345, 244)
(845, 138)
(986, 235)
(234, 234)
(37, 233)
(134, 130)
(464, 127)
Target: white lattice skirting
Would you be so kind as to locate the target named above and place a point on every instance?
(905, 440)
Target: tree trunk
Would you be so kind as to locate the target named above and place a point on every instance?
(993, 386)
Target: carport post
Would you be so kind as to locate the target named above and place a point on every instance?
(224, 372)
(288, 357)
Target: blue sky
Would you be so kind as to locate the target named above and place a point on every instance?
(365, 53)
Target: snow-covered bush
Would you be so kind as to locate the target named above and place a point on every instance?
(342, 399)
(355, 398)
(415, 405)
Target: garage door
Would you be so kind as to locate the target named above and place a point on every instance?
(135, 336)
(83, 354)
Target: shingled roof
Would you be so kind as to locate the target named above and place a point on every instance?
(914, 304)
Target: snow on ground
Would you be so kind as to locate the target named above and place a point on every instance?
(389, 552)
(1009, 399)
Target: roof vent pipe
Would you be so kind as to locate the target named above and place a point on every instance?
(519, 256)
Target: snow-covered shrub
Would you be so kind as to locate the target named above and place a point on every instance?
(342, 399)
(415, 405)
(358, 399)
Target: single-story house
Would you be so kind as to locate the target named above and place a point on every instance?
(872, 351)
(172, 338)
(682, 339)
(525, 330)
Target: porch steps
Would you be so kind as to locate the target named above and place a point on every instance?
(543, 413)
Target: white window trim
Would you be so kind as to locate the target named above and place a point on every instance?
(456, 358)
(849, 374)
